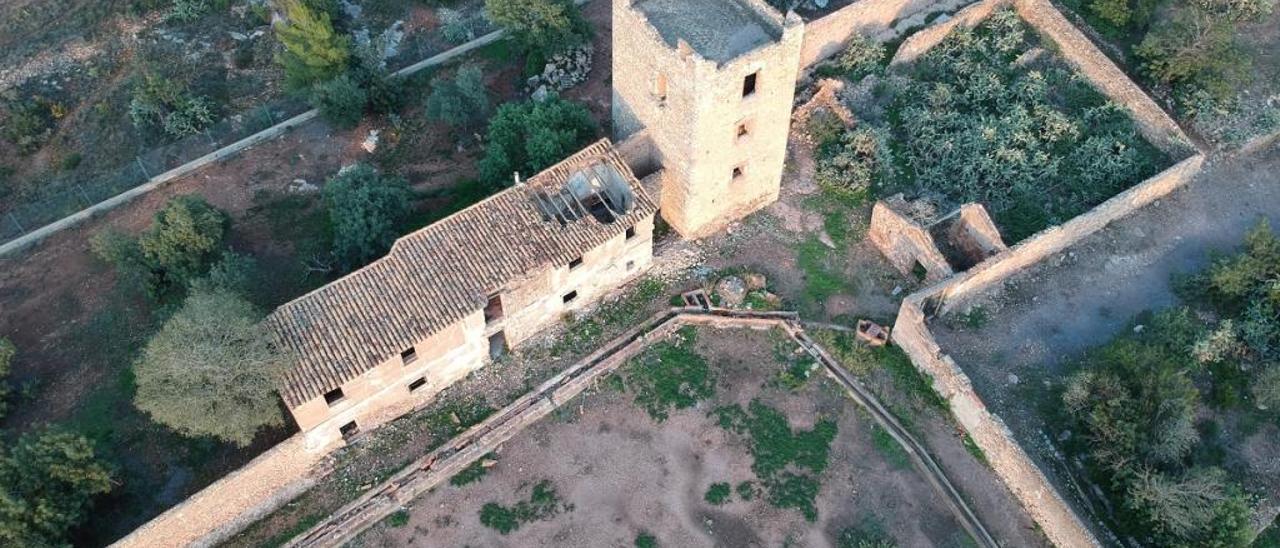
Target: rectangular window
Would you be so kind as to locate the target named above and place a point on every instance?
(421, 382)
(493, 309)
(631, 232)
(737, 173)
(570, 296)
(631, 265)
(749, 84)
(660, 87)
(743, 130)
(409, 356)
(334, 396)
(575, 263)
(349, 429)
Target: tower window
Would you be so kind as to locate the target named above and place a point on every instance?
(349, 429)
(334, 396)
(630, 233)
(743, 130)
(409, 356)
(749, 84)
(493, 309)
(570, 296)
(421, 382)
(737, 173)
(575, 263)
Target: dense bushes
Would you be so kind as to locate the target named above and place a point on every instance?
(366, 211)
(461, 101)
(47, 482)
(341, 101)
(166, 103)
(185, 238)
(1137, 404)
(27, 124)
(531, 136)
(542, 27)
(984, 120)
(313, 51)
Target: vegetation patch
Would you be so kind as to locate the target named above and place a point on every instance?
(585, 332)
(890, 448)
(472, 473)
(1145, 408)
(718, 493)
(868, 533)
(788, 463)
(671, 375)
(544, 503)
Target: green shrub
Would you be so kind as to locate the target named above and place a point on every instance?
(868, 533)
(313, 51)
(28, 125)
(461, 101)
(859, 159)
(787, 462)
(543, 503)
(71, 161)
(48, 481)
(542, 27)
(472, 473)
(746, 490)
(645, 540)
(531, 136)
(1239, 10)
(366, 211)
(341, 101)
(399, 518)
(718, 493)
(187, 11)
(458, 27)
(183, 241)
(861, 57)
(1193, 50)
(162, 102)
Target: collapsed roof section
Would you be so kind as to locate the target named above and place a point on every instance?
(438, 275)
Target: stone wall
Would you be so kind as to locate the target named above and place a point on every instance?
(905, 243)
(1054, 239)
(975, 234)
(1075, 48)
(825, 36)
(1014, 467)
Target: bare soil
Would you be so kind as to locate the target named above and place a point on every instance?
(622, 473)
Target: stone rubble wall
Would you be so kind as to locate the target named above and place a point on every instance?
(1014, 467)
(240, 498)
(882, 20)
(904, 243)
(1049, 241)
(925, 39)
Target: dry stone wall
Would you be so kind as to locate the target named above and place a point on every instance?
(905, 243)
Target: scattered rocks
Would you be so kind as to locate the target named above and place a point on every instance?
(301, 186)
(370, 143)
(562, 71)
(755, 281)
(732, 291)
(1013, 379)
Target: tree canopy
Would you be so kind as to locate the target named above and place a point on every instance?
(461, 101)
(541, 26)
(47, 482)
(366, 210)
(185, 238)
(531, 136)
(211, 370)
(313, 51)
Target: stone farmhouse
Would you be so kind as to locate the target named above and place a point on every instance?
(702, 101)
(447, 298)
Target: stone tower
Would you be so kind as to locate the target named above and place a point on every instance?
(712, 83)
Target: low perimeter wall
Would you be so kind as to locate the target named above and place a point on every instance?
(911, 332)
(1078, 51)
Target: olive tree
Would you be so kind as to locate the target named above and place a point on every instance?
(211, 370)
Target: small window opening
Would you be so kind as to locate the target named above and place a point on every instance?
(349, 429)
(493, 309)
(631, 232)
(575, 263)
(631, 265)
(409, 356)
(497, 345)
(743, 130)
(570, 296)
(334, 396)
(749, 84)
(660, 87)
(737, 173)
(421, 382)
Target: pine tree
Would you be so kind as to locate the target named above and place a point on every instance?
(313, 51)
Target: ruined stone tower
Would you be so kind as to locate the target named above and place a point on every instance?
(712, 83)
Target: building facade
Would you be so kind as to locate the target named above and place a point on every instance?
(712, 84)
(452, 296)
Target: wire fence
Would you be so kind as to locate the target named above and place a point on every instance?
(61, 195)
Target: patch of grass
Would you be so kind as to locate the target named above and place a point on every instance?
(718, 493)
(543, 503)
(889, 448)
(472, 473)
(645, 540)
(746, 490)
(797, 373)
(907, 377)
(788, 462)
(975, 317)
(671, 375)
(585, 332)
(973, 449)
(822, 279)
(399, 518)
(456, 416)
(868, 533)
(616, 383)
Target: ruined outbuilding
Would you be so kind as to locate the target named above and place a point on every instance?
(917, 241)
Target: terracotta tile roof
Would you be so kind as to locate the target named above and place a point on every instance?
(436, 276)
